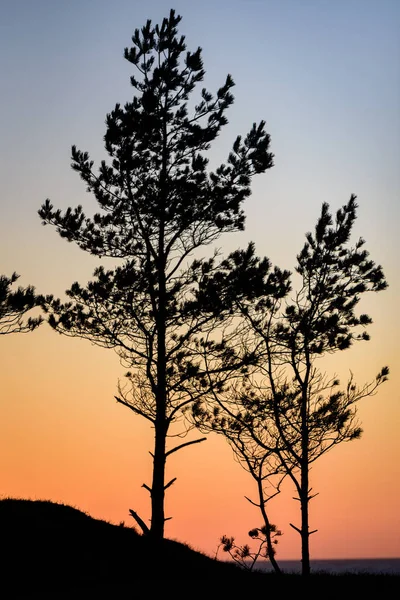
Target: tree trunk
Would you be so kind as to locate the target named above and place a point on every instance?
(305, 537)
(160, 435)
(161, 427)
(304, 483)
(158, 485)
(270, 546)
(271, 555)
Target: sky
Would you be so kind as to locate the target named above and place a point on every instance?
(325, 76)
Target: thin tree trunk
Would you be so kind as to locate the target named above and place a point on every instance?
(270, 546)
(305, 537)
(304, 484)
(160, 434)
(161, 427)
(158, 486)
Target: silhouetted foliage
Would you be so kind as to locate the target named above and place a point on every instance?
(14, 304)
(286, 412)
(160, 307)
(255, 449)
(243, 555)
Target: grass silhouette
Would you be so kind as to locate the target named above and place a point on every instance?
(52, 550)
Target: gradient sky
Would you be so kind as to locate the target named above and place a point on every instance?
(325, 76)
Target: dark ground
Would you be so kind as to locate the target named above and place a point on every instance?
(53, 551)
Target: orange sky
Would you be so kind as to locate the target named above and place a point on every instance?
(62, 437)
(332, 110)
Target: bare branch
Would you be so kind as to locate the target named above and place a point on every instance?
(140, 522)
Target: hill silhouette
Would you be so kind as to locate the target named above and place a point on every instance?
(51, 550)
(48, 546)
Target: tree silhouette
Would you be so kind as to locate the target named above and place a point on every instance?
(160, 306)
(247, 431)
(286, 412)
(243, 555)
(14, 305)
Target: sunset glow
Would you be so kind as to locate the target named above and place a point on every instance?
(326, 79)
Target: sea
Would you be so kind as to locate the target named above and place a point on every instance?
(339, 566)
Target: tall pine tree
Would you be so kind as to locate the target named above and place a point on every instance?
(159, 204)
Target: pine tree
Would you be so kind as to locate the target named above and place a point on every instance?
(15, 304)
(286, 412)
(159, 206)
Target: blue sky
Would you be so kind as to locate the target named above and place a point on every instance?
(324, 75)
